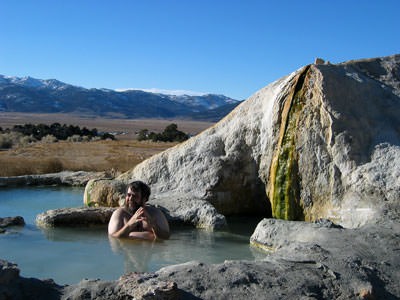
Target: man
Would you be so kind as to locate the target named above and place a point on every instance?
(135, 220)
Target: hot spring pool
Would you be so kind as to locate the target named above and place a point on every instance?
(68, 255)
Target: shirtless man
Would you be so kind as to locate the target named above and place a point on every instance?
(135, 220)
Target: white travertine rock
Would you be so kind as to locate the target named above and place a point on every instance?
(322, 142)
(75, 216)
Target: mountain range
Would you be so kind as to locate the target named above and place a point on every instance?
(33, 95)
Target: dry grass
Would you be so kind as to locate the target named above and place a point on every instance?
(120, 155)
(88, 156)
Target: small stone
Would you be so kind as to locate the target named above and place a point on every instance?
(367, 294)
(144, 286)
(11, 221)
(8, 272)
(330, 272)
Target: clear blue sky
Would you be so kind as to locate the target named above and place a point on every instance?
(227, 47)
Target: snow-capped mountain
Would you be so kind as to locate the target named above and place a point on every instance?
(209, 101)
(29, 94)
(32, 82)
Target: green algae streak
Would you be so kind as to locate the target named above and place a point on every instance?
(285, 192)
(262, 247)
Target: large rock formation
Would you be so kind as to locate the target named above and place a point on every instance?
(322, 142)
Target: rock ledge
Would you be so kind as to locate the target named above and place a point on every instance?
(69, 178)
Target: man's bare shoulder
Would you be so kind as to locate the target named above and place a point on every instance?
(153, 210)
(120, 212)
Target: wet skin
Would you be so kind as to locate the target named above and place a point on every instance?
(137, 221)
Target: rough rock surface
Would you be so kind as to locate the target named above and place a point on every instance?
(104, 192)
(79, 178)
(130, 286)
(360, 261)
(148, 286)
(198, 213)
(322, 142)
(76, 216)
(309, 261)
(12, 286)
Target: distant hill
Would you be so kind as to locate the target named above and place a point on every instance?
(215, 114)
(32, 95)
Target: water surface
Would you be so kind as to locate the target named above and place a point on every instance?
(69, 254)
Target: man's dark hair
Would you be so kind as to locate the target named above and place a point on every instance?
(137, 186)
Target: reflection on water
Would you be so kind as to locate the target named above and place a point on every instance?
(136, 254)
(69, 254)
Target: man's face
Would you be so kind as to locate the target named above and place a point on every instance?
(133, 200)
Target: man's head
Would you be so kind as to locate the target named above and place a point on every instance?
(137, 194)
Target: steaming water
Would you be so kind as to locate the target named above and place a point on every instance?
(68, 255)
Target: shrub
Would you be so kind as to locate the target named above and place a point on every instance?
(86, 138)
(96, 138)
(143, 134)
(5, 141)
(107, 136)
(61, 132)
(26, 140)
(49, 139)
(75, 138)
(10, 139)
(170, 134)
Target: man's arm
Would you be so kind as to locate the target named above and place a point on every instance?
(116, 226)
(158, 222)
(143, 235)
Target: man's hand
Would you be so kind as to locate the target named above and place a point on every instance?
(151, 220)
(137, 217)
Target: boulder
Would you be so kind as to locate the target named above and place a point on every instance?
(199, 213)
(361, 261)
(104, 192)
(322, 142)
(76, 216)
